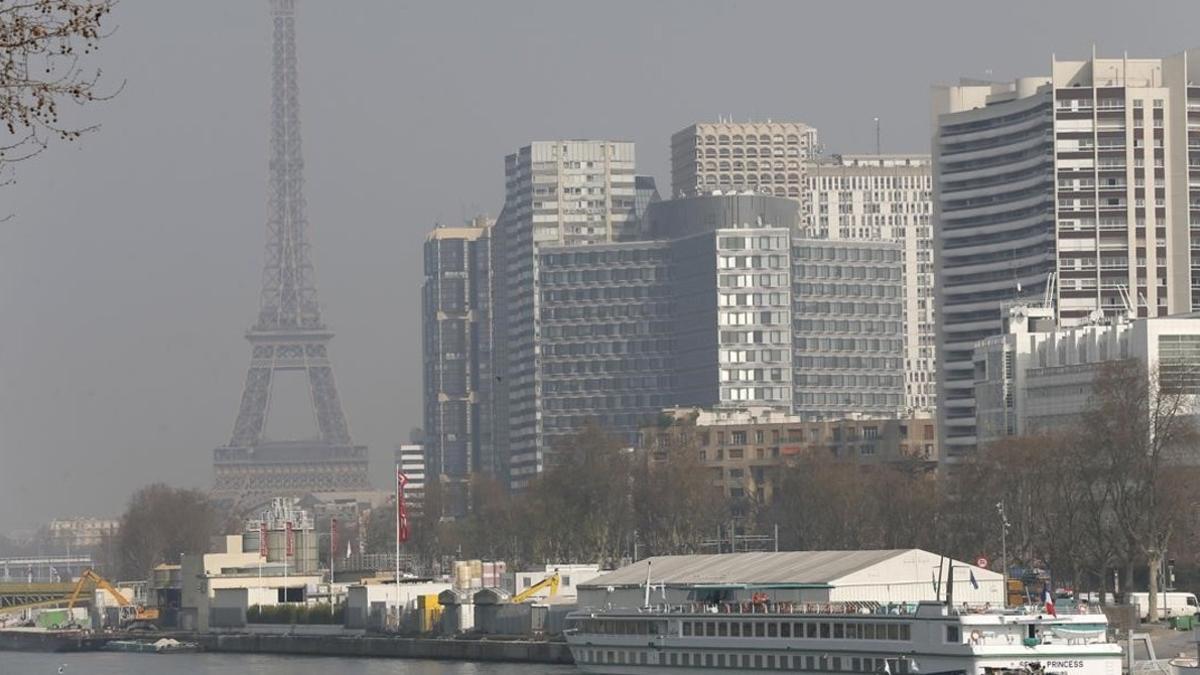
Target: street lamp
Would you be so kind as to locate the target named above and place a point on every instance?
(1003, 549)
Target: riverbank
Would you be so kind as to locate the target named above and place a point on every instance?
(502, 651)
(494, 651)
(37, 640)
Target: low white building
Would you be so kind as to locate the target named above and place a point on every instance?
(570, 576)
(388, 605)
(1037, 376)
(883, 576)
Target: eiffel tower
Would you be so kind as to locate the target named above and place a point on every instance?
(289, 333)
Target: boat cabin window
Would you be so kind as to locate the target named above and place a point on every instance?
(711, 596)
(953, 634)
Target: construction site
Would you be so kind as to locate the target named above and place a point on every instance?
(269, 579)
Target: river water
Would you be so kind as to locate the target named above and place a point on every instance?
(106, 663)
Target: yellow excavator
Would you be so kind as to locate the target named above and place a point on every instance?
(132, 616)
(551, 581)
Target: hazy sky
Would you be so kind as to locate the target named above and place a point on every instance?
(131, 267)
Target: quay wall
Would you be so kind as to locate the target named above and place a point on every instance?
(515, 651)
(47, 641)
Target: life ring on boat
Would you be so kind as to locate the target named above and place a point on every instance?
(976, 636)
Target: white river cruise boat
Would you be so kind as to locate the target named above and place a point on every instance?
(833, 639)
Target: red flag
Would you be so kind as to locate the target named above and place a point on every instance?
(401, 512)
(291, 540)
(262, 538)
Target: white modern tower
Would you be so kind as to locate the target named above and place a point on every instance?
(1073, 190)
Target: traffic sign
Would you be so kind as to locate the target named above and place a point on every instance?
(981, 562)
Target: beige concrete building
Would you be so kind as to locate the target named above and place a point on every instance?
(231, 580)
(1074, 190)
(762, 157)
(884, 198)
(745, 448)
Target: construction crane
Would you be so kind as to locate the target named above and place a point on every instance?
(551, 581)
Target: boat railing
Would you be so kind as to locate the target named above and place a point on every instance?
(860, 608)
(783, 607)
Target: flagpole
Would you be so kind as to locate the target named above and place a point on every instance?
(396, 478)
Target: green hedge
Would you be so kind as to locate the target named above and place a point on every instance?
(296, 613)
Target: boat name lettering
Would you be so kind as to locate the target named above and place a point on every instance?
(1054, 663)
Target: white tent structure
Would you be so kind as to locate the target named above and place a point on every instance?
(885, 576)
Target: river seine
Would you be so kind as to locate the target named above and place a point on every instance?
(105, 663)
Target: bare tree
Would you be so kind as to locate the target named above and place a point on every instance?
(675, 501)
(162, 522)
(43, 45)
(1141, 426)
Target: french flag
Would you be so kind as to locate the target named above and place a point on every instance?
(1048, 598)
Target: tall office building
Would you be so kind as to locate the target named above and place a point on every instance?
(761, 157)
(1070, 190)
(457, 347)
(885, 198)
(558, 193)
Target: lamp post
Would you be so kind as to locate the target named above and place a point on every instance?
(1003, 550)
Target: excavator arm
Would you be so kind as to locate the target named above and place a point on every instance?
(550, 582)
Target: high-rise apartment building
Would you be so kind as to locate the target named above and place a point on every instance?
(558, 193)
(731, 296)
(699, 314)
(848, 300)
(885, 198)
(1070, 190)
(410, 459)
(457, 346)
(761, 157)
(606, 341)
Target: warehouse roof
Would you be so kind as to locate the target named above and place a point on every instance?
(790, 568)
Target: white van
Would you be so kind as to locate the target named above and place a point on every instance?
(1170, 603)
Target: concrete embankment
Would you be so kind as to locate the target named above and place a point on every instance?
(34, 640)
(516, 651)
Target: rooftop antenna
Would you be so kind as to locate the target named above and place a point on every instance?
(878, 144)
